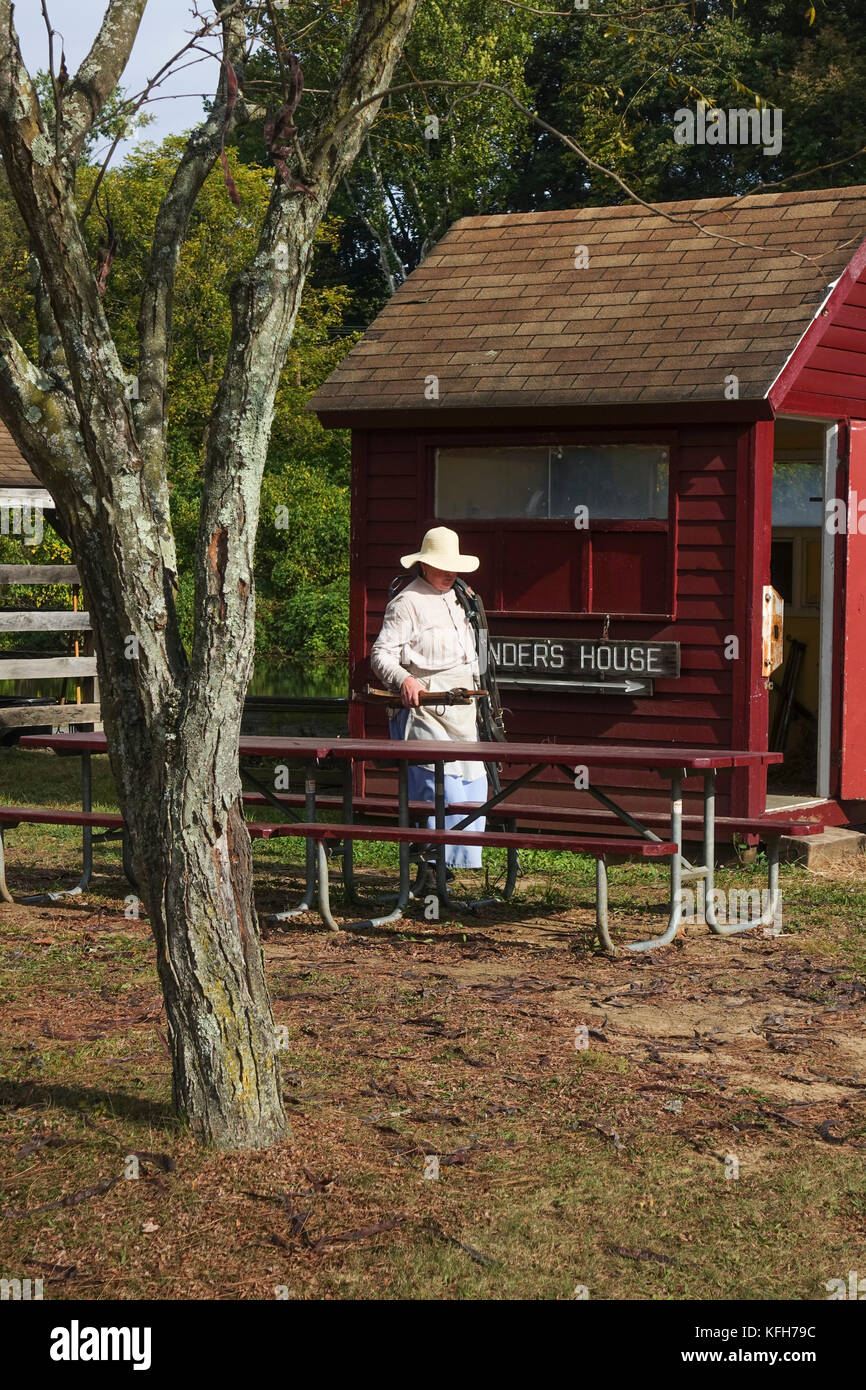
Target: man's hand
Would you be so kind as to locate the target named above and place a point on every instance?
(409, 691)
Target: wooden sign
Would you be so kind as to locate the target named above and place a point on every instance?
(622, 667)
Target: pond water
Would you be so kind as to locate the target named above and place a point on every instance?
(330, 681)
(302, 683)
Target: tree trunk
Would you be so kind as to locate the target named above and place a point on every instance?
(173, 732)
(226, 1077)
(173, 723)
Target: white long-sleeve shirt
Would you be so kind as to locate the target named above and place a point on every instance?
(427, 634)
(423, 632)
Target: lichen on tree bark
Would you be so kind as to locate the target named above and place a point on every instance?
(173, 721)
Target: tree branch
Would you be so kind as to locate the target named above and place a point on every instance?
(384, 244)
(111, 458)
(684, 219)
(42, 419)
(51, 358)
(172, 222)
(264, 303)
(100, 72)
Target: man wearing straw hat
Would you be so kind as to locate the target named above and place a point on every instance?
(427, 643)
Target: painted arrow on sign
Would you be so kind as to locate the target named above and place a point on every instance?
(624, 687)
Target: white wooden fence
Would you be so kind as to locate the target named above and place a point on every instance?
(17, 668)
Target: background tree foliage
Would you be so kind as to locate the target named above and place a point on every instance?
(731, 55)
(611, 79)
(302, 568)
(307, 470)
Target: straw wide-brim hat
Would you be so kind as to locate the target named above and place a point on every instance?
(441, 549)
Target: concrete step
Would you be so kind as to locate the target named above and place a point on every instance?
(833, 846)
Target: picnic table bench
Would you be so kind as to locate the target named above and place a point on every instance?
(578, 832)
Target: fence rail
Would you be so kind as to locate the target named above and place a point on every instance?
(24, 666)
(44, 620)
(39, 574)
(39, 716)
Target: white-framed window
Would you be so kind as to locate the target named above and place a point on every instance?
(614, 482)
(798, 489)
(795, 569)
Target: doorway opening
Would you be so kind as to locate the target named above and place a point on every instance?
(799, 699)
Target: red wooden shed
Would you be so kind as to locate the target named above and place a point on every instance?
(641, 420)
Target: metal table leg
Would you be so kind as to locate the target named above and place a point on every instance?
(403, 895)
(439, 806)
(311, 850)
(601, 905)
(678, 862)
(439, 818)
(765, 918)
(348, 845)
(86, 845)
(5, 895)
(512, 871)
(676, 909)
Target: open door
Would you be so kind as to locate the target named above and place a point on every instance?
(853, 780)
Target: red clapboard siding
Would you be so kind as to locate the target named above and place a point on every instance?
(391, 485)
(704, 583)
(809, 403)
(617, 709)
(696, 559)
(699, 685)
(831, 377)
(705, 659)
(706, 608)
(704, 459)
(698, 535)
(857, 295)
(707, 508)
(545, 572)
(849, 316)
(819, 383)
(708, 484)
(846, 339)
(381, 533)
(391, 465)
(830, 359)
(397, 509)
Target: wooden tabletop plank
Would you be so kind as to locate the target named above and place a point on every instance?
(486, 839)
(427, 751)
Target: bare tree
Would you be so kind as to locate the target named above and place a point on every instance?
(173, 722)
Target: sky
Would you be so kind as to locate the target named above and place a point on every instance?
(165, 28)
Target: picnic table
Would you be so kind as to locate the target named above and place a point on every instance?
(521, 763)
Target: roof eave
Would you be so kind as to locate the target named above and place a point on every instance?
(492, 416)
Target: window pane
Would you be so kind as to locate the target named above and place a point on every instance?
(810, 589)
(628, 482)
(794, 485)
(619, 482)
(782, 568)
(489, 483)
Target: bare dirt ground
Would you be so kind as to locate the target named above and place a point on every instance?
(688, 1123)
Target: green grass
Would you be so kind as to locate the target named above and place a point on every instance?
(471, 1019)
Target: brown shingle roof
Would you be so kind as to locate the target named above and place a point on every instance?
(14, 472)
(663, 311)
